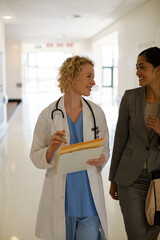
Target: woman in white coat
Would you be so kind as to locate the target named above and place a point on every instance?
(72, 206)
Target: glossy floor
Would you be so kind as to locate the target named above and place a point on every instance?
(21, 183)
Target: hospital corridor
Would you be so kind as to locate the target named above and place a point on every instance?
(21, 183)
(36, 37)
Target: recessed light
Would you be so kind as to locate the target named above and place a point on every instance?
(7, 17)
(14, 238)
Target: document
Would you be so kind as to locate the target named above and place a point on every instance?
(73, 158)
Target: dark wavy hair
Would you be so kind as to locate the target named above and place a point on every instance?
(152, 55)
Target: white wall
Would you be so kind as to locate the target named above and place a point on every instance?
(3, 97)
(83, 48)
(2, 49)
(13, 70)
(136, 31)
(1, 36)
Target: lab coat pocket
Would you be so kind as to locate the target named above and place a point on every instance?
(46, 192)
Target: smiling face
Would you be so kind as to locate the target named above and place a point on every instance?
(85, 80)
(146, 73)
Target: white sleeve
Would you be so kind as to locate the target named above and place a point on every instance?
(40, 145)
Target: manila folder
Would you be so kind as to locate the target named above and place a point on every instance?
(73, 158)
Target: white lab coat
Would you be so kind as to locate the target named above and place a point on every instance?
(50, 223)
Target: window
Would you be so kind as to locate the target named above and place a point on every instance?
(107, 77)
(109, 65)
(42, 69)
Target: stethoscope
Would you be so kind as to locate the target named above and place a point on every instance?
(95, 128)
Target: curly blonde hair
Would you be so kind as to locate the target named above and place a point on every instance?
(70, 70)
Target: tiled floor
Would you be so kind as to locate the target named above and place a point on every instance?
(21, 183)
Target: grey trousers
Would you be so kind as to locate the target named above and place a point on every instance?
(132, 203)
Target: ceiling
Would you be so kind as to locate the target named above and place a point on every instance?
(67, 20)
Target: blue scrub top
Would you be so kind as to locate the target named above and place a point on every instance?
(78, 197)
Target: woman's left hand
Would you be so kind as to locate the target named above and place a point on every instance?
(154, 123)
(97, 162)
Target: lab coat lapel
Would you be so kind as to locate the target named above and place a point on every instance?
(60, 122)
(88, 134)
(140, 107)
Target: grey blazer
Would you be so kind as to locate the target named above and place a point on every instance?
(131, 144)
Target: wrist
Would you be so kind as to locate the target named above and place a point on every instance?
(49, 154)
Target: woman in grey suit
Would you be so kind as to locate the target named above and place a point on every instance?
(136, 152)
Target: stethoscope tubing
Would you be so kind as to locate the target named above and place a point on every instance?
(57, 109)
(95, 128)
(94, 120)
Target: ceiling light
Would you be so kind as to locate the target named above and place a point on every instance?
(14, 238)
(7, 17)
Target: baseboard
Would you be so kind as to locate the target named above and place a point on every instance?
(15, 100)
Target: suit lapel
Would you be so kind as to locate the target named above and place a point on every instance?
(153, 132)
(140, 107)
(158, 115)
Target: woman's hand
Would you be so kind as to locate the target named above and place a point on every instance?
(154, 123)
(97, 162)
(113, 191)
(55, 141)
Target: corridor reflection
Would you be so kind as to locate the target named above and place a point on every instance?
(21, 182)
